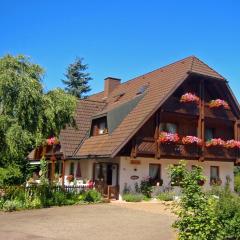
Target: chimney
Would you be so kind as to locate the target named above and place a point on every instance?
(110, 84)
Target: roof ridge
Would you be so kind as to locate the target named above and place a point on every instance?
(196, 58)
(157, 69)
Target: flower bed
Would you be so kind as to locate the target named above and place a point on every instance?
(232, 144)
(166, 137)
(189, 98)
(192, 140)
(217, 103)
(215, 142)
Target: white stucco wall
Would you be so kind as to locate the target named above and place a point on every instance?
(142, 170)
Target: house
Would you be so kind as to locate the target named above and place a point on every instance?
(136, 129)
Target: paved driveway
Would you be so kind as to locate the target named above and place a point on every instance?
(115, 221)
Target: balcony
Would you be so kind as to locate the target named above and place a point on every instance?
(148, 147)
(174, 105)
(225, 114)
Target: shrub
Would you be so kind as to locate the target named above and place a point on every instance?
(12, 205)
(10, 175)
(59, 198)
(197, 217)
(237, 183)
(146, 187)
(92, 196)
(165, 196)
(133, 197)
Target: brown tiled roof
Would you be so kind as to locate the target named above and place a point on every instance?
(70, 137)
(161, 83)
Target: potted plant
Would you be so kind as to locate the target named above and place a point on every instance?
(70, 178)
(218, 103)
(192, 140)
(215, 142)
(166, 137)
(189, 98)
(216, 181)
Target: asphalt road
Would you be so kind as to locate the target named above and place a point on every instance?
(115, 221)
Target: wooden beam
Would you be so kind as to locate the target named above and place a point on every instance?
(134, 149)
(63, 172)
(201, 120)
(156, 137)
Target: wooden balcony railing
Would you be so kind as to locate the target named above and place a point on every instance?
(219, 113)
(148, 146)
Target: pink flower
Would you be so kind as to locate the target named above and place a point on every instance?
(232, 144)
(215, 142)
(218, 103)
(166, 137)
(189, 97)
(191, 140)
(52, 141)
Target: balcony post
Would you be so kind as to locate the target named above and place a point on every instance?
(63, 172)
(156, 136)
(201, 120)
(237, 137)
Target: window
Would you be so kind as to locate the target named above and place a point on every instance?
(102, 127)
(168, 127)
(155, 174)
(214, 173)
(71, 169)
(209, 134)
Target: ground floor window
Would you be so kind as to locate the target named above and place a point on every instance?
(155, 174)
(214, 174)
(71, 169)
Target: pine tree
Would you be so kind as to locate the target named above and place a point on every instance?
(77, 79)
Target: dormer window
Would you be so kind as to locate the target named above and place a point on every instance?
(99, 126)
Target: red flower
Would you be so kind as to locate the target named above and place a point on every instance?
(191, 140)
(232, 144)
(215, 142)
(166, 137)
(189, 97)
(218, 103)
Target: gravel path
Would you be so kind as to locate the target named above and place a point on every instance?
(114, 221)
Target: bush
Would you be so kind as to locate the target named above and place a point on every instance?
(165, 196)
(59, 199)
(92, 196)
(13, 205)
(10, 175)
(197, 217)
(133, 197)
(237, 183)
(146, 188)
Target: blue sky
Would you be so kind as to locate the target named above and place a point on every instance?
(122, 38)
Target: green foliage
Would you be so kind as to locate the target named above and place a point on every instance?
(92, 196)
(197, 218)
(18, 197)
(43, 171)
(28, 115)
(146, 188)
(165, 196)
(237, 183)
(11, 205)
(133, 197)
(77, 79)
(10, 175)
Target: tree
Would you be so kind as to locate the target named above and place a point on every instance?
(77, 80)
(28, 115)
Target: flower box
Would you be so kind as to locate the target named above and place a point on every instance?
(215, 181)
(232, 144)
(189, 98)
(192, 140)
(166, 137)
(215, 142)
(218, 103)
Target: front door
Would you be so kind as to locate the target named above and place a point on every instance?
(105, 176)
(107, 173)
